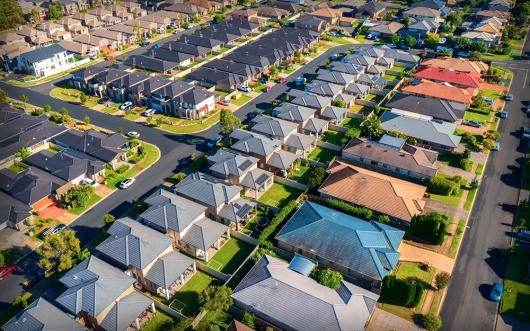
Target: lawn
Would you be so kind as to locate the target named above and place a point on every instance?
(374, 97)
(93, 199)
(517, 44)
(452, 200)
(17, 167)
(336, 39)
(279, 195)
(451, 159)
(398, 69)
(333, 137)
(323, 155)
(516, 297)
(187, 298)
(470, 197)
(492, 94)
(241, 100)
(217, 318)
(474, 116)
(480, 169)
(352, 123)
(456, 238)
(356, 109)
(193, 126)
(131, 115)
(230, 256)
(497, 57)
(390, 78)
(152, 154)
(300, 174)
(160, 321)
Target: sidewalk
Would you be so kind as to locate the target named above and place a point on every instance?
(416, 254)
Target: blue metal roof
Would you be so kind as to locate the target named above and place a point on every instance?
(301, 265)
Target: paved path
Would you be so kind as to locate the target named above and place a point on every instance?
(452, 171)
(384, 321)
(413, 253)
(458, 213)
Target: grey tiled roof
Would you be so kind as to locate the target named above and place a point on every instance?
(312, 101)
(292, 301)
(204, 233)
(323, 88)
(256, 178)
(349, 68)
(282, 160)
(252, 142)
(42, 315)
(125, 311)
(334, 112)
(293, 113)
(273, 127)
(316, 125)
(357, 89)
(207, 190)
(149, 63)
(335, 77)
(65, 165)
(229, 163)
(132, 243)
(93, 285)
(98, 144)
(437, 108)
(168, 268)
(31, 185)
(237, 210)
(12, 211)
(303, 141)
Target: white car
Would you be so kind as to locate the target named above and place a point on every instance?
(126, 105)
(127, 183)
(149, 112)
(244, 88)
(91, 182)
(133, 134)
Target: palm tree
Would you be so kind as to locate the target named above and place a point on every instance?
(371, 127)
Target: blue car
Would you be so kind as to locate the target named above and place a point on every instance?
(496, 292)
(503, 114)
(155, 46)
(213, 141)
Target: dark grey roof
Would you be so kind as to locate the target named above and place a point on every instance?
(93, 285)
(168, 55)
(130, 80)
(108, 76)
(225, 35)
(88, 72)
(95, 143)
(440, 109)
(250, 59)
(335, 77)
(150, 85)
(149, 63)
(173, 89)
(254, 143)
(217, 77)
(207, 190)
(12, 211)
(333, 112)
(30, 185)
(312, 101)
(282, 160)
(42, 315)
(293, 113)
(323, 88)
(358, 59)
(194, 97)
(43, 53)
(256, 178)
(187, 48)
(125, 311)
(200, 41)
(233, 67)
(301, 141)
(168, 268)
(273, 127)
(227, 163)
(64, 164)
(204, 233)
(170, 211)
(293, 301)
(237, 210)
(357, 89)
(315, 125)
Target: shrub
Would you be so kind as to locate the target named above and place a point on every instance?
(78, 196)
(347, 208)
(108, 218)
(316, 176)
(121, 169)
(277, 220)
(432, 322)
(385, 219)
(442, 280)
(403, 292)
(249, 319)
(431, 227)
(327, 277)
(443, 186)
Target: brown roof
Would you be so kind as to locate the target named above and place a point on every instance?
(444, 92)
(238, 326)
(381, 193)
(412, 158)
(387, 27)
(477, 67)
(494, 13)
(327, 12)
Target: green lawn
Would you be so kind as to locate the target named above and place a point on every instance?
(352, 123)
(337, 40)
(390, 77)
(230, 256)
(374, 97)
(449, 158)
(94, 198)
(516, 297)
(160, 321)
(152, 154)
(241, 100)
(300, 174)
(517, 44)
(470, 197)
(131, 116)
(17, 167)
(457, 237)
(452, 200)
(497, 57)
(110, 110)
(323, 155)
(480, 169)
(193, 126)
(474, 116)
(333, 137)
(217, 318)
(187, 298)
(398, 69)
(279, 195)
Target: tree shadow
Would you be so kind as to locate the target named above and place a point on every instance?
(496, 260)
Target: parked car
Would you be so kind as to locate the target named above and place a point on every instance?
(497, 146)
(496, 292)
(526, 134)
(149, 112)
(133, 134)
(54, 230)
(442, 41)
(503, 114)
(523, 235)
(370, 36)
(144, 43)
(6, 270)
(281, 80)
(333, 57)
(488, 100)
(225, 101)
(508, 97)
(475, 124)
(244, 88)
(391, 46)
(126, 105)
(213, 141)
(155, 46)
(88, 181)
(126, 183)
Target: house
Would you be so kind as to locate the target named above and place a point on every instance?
(273, 128)
(348, 68)
(360, 91)
(19, 130)
(386, 29)
(420, 29)
(491, 28)
(99, 44)
(67, 166)
(500, 5)
(222, 199)
(150, 64)
(77, 48)
(311, 100)
(196, 51)
(340, 241)
(116, 39)
(249, 72)
(244, 14)
(312, 23)
(33, 187)
(34, 37)
(302, 144)
(221, 80)
(458, 64)
(9, 54)
(239, 169)
(83, 79)
(423, 13)
(392, 156)
(487, 38)
(213, 45)
(441, 91)
(484, 14)
(236, 325)
(427, 131)
(110, 149)
(42, 315)
(294, 113)
(187, 9)
(439, 109)
(103, 297)
(372, 9)
(44, 62)
(268, 292)
(13, 212)
(181, 59)
(140, 94)
(210, 6)
(120, 88)
(273, 13)
(323, 88)
(399, 199)
(55, 31)
(335, 77)
(334, 115)
(455, 78)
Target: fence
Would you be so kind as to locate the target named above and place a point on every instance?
(330, 146)
(366, 103)
(338, 128)
(242, 264)
(198, 318)
(168, 310)
(314, 163)
(243, 237)
(290, 183)
(212, 272)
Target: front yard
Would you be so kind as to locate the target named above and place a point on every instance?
(230, 256)
(182, 126)
(186, 300)
(72, 95)
(151, 154)
(279, 195)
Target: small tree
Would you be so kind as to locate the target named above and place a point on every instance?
(478, 101)
(395, 39)
(108, 218)
(82, 98)
(339, 103)
(3, 96)
(442, 280)
(47, 108)
(58, 251)
(432, 40)
(327, 277)
(385, 219)
(410, 41)
(179, 177)
(23, 152)
(249, 319)
(218, 18)
(216, 298)
(64, 111)
(228, 122)
(371, 127)
(432, 322)
(24, 98)
(315, 177)
(87, 120)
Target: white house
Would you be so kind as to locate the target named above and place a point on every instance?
(45, 61)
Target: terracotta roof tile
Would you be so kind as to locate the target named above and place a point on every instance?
(450, 76)
(444, 92)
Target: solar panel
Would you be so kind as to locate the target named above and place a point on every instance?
(243, 210)
(245, 165)
(262, 178)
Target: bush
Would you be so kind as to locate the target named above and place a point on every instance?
(327, 277)
(431, 227)
(347, 208)
(108, 218)
(442, 280)
(403, 292)
(249, 319)
(316, 176)
(385, 219)
(277, 220)
(78, 196)
(121, 169)
(443, 186)
(432, 322)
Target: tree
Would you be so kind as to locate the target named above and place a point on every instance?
(395, 39)
(432, 40)
(82, 98)
(216, 298)
(315, 177)
(228, 122)
(410, 41)
(179, 177)
(23, 152)
(108, 218)
(218, 18)
(352, 133)
(47, 108)
(77, 196)
(385, 219)
(58, 251)
(35, 17)
(182, 325)
(442, 280)
(327, 277)
(475, 56)
(339, 103)
(478, 101)
(55, 10)
(86, 120)
(371, 127)
(24, 98)
(64, 111)
(10, 14)
(3, 96)
(432, 322)
(249, 319)
(429, 227)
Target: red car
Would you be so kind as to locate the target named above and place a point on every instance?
(6, 270)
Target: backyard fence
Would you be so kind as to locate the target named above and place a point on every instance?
(330, 146)
(212, 272)
(243, 237)
(242, 264)
(314, 163)
(366, 103)
(289, 182)
(168, 310)
(198, 318)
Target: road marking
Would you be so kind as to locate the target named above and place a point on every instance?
(525, 76)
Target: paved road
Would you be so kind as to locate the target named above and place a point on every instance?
(173, 148)
(480, 261)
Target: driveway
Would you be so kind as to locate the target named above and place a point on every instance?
(385, 321)
(434, 205)
(413, 253)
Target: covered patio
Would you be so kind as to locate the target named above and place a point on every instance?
(204, 238)
(169, 273)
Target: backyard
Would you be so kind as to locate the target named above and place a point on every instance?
(476, 116)
(186, 300)
(214, 318)
(300, 174)
(279, 195)
(160, 321)
(230, 256)
(323, 155)
(333, 137)
(352, 123)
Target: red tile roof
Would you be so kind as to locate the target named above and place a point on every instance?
(460, 78)
(444, 92)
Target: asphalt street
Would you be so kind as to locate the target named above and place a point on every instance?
(481, 260)
(173, 148)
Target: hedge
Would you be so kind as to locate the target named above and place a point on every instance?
(121, 169)
(350, 209)
(276, 221)
(403, 292)
(443, 186)
(431, 227)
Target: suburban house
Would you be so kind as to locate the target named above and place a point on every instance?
(239, 169)
(119, 89)
(294, 113)
(55, 31)
(150, 64)
(325, 89)
(42, 315)
(44, 62)
(439, 109)
(223, 200)
(18, 130)
(372, 9)
(424, 13)
(68, 166)
(331, 16)
(273, 128)
(458, 64)
(181, 59)
(285, 296)
(273, 13)
(427, 131)
(455, 94)
(103, 297)
(220, 79)
(311, 22)
(335, 77)
(13, 212)
(78, 48)
(399, 199)
(348, 68)
(88, 20)
(340, 241)
(111, 149)
(455, 78)
(310, 100)
(420, 29)
(386, 29)
(100, 44)
(500, 5)
(393, 156)
(360, 91)
(488, 38)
